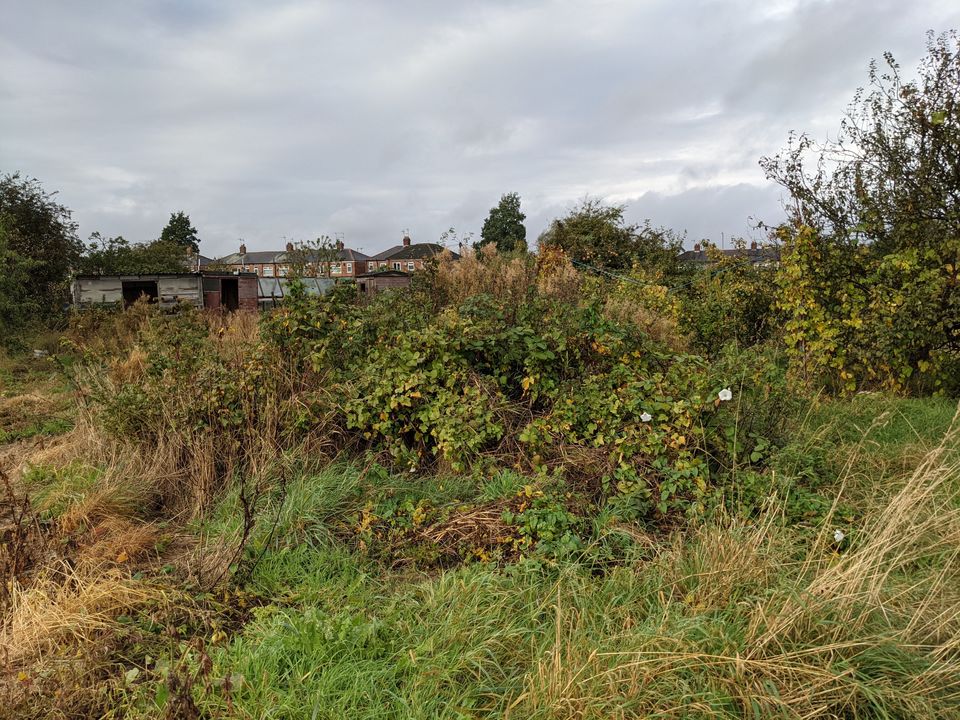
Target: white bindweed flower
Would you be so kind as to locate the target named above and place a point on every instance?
(725, 394)
(646, 417)
(838, 535)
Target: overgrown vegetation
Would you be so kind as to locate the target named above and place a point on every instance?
(871, 256)
(521, 487)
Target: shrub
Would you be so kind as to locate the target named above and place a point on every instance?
(860, 320)
(733, 300)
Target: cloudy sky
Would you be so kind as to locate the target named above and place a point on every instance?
(266, 120)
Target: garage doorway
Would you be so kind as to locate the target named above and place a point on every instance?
(133, 290)
(230, 294)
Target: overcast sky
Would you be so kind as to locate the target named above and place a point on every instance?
(266, 120)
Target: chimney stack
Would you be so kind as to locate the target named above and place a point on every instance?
(753, 245)
(406, 241)
(339, 244)
(696, 248)
(289, 247)
(243, 248)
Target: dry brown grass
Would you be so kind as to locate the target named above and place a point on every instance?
(234, 331)
(557, 278)
(650, 308)
(67, 606)
(869, 632)
(508, 279)
(714, 565)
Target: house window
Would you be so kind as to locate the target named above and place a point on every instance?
(396, 266)
(268, 270)
(283, 271)
(411, 266)
(383, 266)
(349, 268)
(335, 268)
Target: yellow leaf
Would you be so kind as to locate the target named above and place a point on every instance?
(122, 557)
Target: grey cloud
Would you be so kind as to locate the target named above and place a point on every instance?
(300, 118)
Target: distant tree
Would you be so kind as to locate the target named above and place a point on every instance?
(117, 256)
(180, 231)
(593, 233)
(40, 231)
(16, 310)
(455, 240)
(598, 235)
(504, 226)
(312, 258)
(656, 252)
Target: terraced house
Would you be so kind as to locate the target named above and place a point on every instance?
(345, 262)
(407, 257)
(265, 263)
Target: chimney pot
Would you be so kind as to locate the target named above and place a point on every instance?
(243, 249)
(696, 248)
(289, 247)
(339, 244)
(406, 241)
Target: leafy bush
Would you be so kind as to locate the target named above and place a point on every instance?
(871, 264)
(731, 301)
(557, 385)
(857, 319)
(550, 385)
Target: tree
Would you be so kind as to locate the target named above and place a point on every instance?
(16, 309)
(309, 256)
(871, 251)
(41, 231)
(504, 226)
(598, 235)
(453, 238)
(117, 256)
(180, 231)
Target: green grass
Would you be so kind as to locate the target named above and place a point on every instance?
(732, 618)
(53, 490)
(752, 612)
(34, 398)
(886, 426)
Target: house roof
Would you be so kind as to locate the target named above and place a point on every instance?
(253, 258)
(351, 254)
(416, 251)
(192, 262)
(282, 256)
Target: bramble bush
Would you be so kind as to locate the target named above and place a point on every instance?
(431, 379)
(857, 319)
(550, 386)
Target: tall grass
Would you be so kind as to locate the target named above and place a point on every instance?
(870, 631)
(736, 618)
